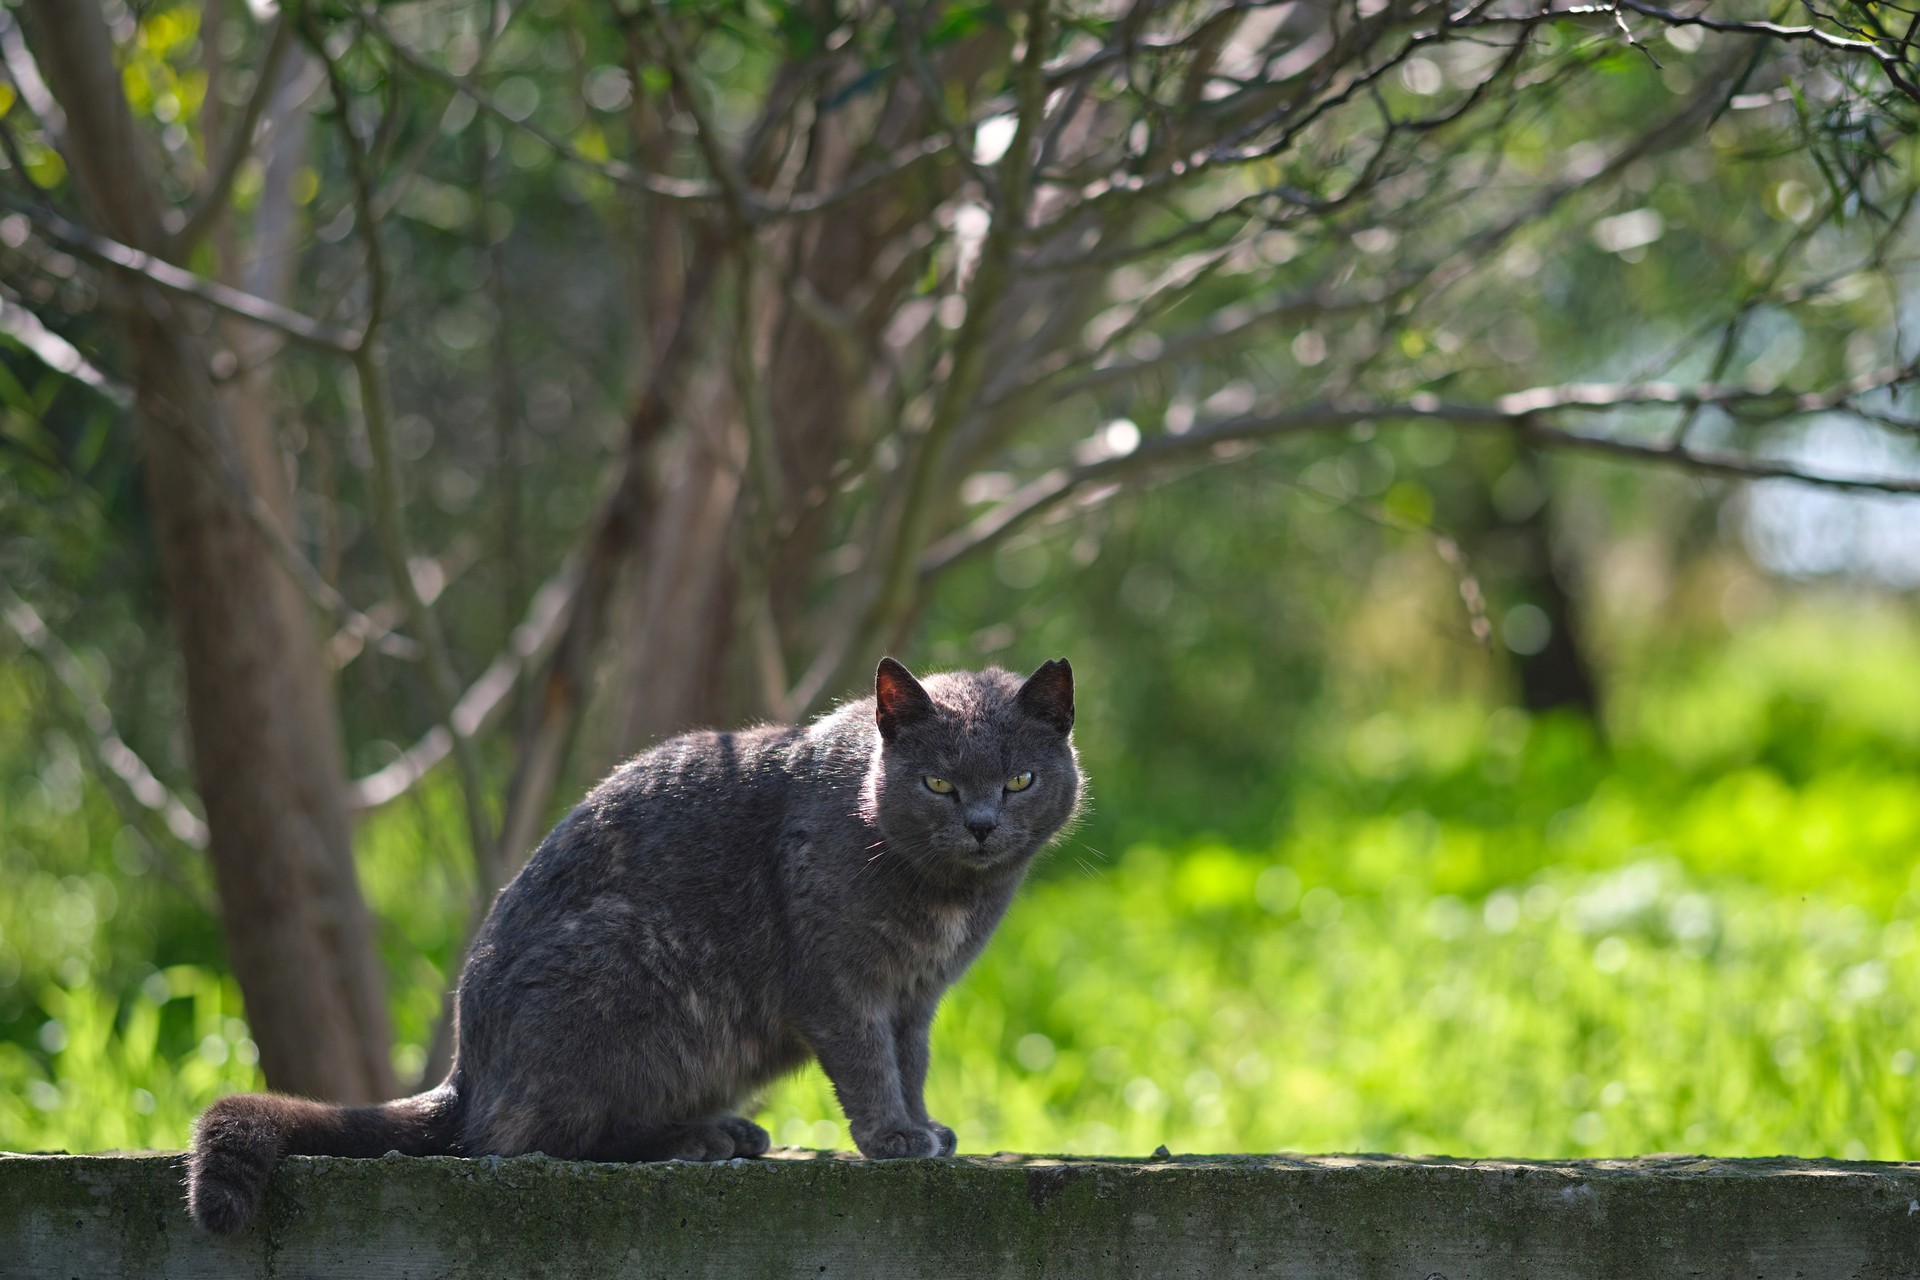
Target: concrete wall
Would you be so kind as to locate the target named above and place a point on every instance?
(812, 1216)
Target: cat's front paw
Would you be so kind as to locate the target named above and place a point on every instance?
(947, 1141)
(749, 1139)
(905, 1142)
(705, 1141)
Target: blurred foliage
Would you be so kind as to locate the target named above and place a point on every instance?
(1478, 933)
(521, 298)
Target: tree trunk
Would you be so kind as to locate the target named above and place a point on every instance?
(1559, 674)
(266, 744)
(673, 655)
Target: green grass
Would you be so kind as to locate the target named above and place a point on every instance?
(103, 1082)
(1478, 935)
(1212, 1000)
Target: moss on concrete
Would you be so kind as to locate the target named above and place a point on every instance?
(823, 1216)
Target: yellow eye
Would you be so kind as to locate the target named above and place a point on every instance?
(1020, 782)
(939, 786)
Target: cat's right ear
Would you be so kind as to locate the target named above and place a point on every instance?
(898, 699)
(1048, 695)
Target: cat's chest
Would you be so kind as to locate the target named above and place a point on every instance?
(944, 934)
(929, 945)
(885, 931)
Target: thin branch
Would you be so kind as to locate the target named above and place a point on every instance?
(1061, 73)
(433, 574)
(485, 701)
(389, 513)
(1626, 32)
(687, 190)
(913, 511)
(54, 351)
(613, 170)
(195, 436)
(1224, 327)
(1520, 412)
(1239, 149)
(1473, 598)
(1468, 583)
(733, 184)
(24, 72)
(908, 28)
(1733, 466)
(1890, 64)
(300, 329)
(907, 158)
(17, 160)
(115, 756)
(219, 187)
(1061, 379)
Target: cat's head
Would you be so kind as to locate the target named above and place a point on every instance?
(975, 769)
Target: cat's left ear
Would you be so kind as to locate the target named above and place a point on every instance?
(898, 699)
(1047, 695)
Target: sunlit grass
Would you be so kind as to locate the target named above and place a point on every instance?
(103, 1082)
(1211, 1001)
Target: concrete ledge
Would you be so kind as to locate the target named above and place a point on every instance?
(809, 1215)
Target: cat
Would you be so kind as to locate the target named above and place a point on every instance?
(721, 909)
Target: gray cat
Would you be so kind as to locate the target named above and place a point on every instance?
(718, 911)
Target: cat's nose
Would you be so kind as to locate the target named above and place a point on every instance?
(981, 828)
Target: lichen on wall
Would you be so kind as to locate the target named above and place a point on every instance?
(812, 1215)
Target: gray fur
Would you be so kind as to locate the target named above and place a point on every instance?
(730, 904)
(725, 907)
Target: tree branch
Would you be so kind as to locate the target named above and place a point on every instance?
(485, 700)
(219, 187)
(912, 510)
(908, 28)
(195, 437)
(300, 329)
(389, 512)
(733, 184)
(1890, 64)
(1519, 412)
(24, 72)
(684, 190)
(115, 756)
(59, 355)
(613, 170)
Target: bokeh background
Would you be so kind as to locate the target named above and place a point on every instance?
(1454, 790)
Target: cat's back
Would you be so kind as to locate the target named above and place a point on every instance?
(693, 815)
(685, 804)
(661, 851)
(701, 772)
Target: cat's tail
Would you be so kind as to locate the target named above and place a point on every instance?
(238, 1140)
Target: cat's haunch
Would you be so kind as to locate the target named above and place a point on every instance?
(721, 909)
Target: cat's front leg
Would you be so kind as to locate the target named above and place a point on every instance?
(912, 1032)
(860, 1058)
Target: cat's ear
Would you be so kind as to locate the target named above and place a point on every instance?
(898, 699)
(1047, 695)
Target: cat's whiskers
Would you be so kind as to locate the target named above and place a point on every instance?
(885, 849)
(1093, 871)
(909, 856)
